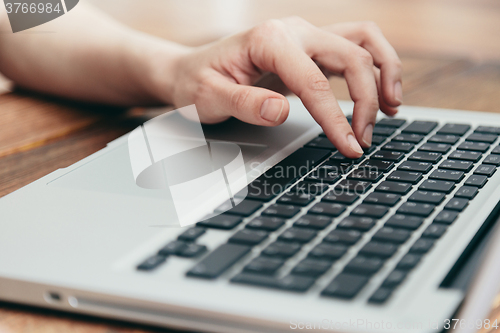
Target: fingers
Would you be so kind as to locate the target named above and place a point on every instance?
(253, 105)
(356, 64)
(273, 49)
(370, 37)
(384, 107)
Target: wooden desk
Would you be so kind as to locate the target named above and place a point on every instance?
(450, 51)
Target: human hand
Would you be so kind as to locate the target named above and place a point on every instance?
(219, 77)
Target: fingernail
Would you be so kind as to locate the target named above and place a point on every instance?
(367, 135)
(354, 144)
(271, 109)
(398, 92)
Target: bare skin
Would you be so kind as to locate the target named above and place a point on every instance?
(91, 57)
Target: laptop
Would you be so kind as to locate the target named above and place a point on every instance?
(394, 241)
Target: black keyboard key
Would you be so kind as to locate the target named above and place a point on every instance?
(404, 221)
(378, 139)
(474, 146)
(407, 137)
(394, 187)
(173, 248)
(297, 235)
(266, 223)
(377, 249)
(321, 142)
(382, 198)
(289, 283)
(338, 157)
(193, 250)
(336, 167)
(405, 176)
(446, 217)
(191, 234)
(345, 286)
(313, 222)
(465, 166)
(264, 265)
(467, 192)
(435, 230)
(492, 159)
(488, 130)
(375, 211)
(415, 208)
(394, 278)
(152, 263)
(391, 122)
(222, 221)
(451, 175)
(496, 150)
(392, 235)
(365, 174)
(369, 150)
(325, 251)
(409, 261)
(326, 208)
(430, 197)
(435, 147)
(364, 265)
(311, 267)
(309, 188)
(325, 174)
(381, 295)
(422, 245)
(444, 138)
(481, 137)
(455, 129)
(437, 185)
(219, 260)
(420, 127)
(357, 223)
(299, 199)
(343, 236)
(244, 208)
(387, 155)
(472, 156)
(353, 186)
(383, 130)
(424, 156)
(281, 249)
(415, 166)
(285, 211)
(404, 147)
(486, 170)
(457, 204)
(346, 198)
(248, 237)
(476, 180)
(377, 165)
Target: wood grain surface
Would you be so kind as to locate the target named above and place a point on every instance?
(451, 57)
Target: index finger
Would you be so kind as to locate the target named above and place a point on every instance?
(280, 54)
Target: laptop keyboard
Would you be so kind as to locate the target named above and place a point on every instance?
(318, 211)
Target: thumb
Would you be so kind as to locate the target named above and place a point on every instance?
(250, 104)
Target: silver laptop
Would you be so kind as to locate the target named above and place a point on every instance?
(390, 242)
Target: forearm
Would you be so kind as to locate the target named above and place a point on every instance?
(85, 55)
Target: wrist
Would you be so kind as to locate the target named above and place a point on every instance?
(156, 62)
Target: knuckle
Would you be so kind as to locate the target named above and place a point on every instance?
(240, 98)
(369, 26)
(364, 56)
(317, 82)
(265, 30)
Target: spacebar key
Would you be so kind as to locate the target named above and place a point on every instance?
(219, 260)
(290, 282)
